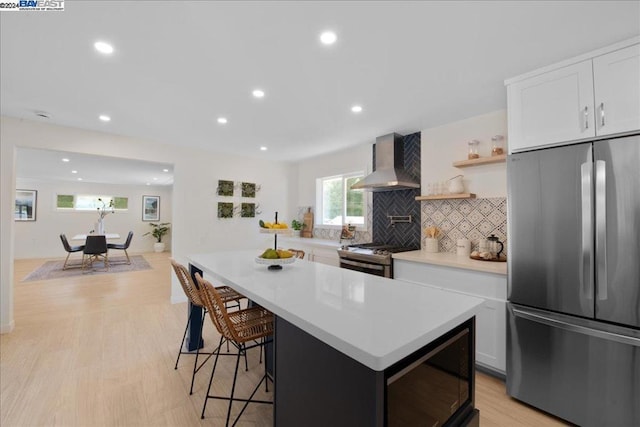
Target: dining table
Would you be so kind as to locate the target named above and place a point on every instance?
(109, 236)
(339, 333)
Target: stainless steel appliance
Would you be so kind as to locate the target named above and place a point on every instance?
(389, 171)
(573, 332)
(370, 258)
(436, 388)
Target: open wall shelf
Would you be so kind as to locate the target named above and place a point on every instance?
(447, 196)
(480, 161)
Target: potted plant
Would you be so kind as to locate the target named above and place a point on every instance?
(296, 226)
(159, 230)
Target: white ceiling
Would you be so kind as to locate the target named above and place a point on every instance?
(48, 165)
(179, 65)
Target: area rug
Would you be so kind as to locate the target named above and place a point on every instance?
(53, 269)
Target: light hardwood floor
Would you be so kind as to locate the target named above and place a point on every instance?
(100, 350)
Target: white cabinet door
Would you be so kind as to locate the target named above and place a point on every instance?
(553, 107)
(491, 342)
(329, 257)
(617, 91)
(491, 335)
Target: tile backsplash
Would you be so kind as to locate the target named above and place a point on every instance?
(399, 203)
(473, 219)
(334, 234)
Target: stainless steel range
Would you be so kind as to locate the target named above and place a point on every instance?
(370, 258)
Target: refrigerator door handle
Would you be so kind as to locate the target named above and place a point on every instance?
(572, 327)
(601, 229)
(586, 257)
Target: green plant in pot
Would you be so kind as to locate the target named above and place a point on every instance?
(297, 226)
(159, 230)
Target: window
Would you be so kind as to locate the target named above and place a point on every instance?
(337, 203)
(84, 202)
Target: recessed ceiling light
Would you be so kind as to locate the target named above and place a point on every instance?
(79, 179)
(356, 109)
(103, 47)
(148, 183)
(328, 37)
(263, 148)
(258, 93)
(155, 179)
(105, 118)
(165, 170)
(222, 120)
(74, 171)
(65, 160)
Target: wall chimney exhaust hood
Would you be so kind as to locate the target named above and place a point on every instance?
(389, 173)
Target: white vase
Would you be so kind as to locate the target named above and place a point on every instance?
(158, 247)
(100, 229)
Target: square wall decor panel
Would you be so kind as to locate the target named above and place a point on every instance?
(248, 189)
(225, 188)
(225, 210)
(248, 210)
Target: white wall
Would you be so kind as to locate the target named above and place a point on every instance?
(196, 172)
(358, 158)
(443, 145)
(39, 239)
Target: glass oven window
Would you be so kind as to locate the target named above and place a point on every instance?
(431, 390)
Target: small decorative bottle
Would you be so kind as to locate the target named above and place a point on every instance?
(497, 147)
(473, 149)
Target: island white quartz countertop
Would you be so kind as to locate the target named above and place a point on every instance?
(373, 320)
(448, 259)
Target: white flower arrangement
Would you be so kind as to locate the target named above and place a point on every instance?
(105, 210)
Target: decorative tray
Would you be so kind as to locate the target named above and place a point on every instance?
(479, 258)
(275, 230)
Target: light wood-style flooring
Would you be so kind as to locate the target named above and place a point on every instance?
(99, 350)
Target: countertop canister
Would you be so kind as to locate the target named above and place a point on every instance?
(463, 247)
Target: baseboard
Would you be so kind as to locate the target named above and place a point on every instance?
(491, 371)
(7, 328)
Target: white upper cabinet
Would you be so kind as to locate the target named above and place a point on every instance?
(552, 107)
(617, 91)
(592, 95)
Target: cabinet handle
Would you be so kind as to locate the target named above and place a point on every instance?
(602, 114)
(586, 117)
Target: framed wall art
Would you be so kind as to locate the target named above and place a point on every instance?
(26, 205)
(151, 208)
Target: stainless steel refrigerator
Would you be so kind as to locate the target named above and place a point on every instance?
(573, 330)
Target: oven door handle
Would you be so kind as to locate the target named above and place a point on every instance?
(362, 264)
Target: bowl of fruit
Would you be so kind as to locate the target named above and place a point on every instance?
(275, 259)
(274, 227)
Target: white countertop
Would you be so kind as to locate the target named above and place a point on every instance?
(449, 259)
(373, 320)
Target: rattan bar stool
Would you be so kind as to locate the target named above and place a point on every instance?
(228, 296)
(254, 324)
(298, 253)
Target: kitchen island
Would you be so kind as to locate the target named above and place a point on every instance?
(343, 337)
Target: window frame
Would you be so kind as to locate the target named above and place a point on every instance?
(320, 206)
(92, 196)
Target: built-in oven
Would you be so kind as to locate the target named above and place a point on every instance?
(435, 387)
(367, 267)
(370, 258)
